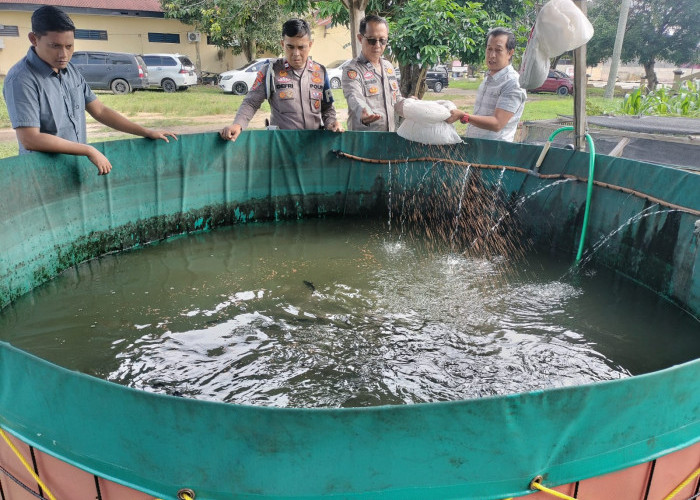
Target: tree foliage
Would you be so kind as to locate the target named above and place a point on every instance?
(427, 32)
(657, 30)
(248, 26)
(430, 32)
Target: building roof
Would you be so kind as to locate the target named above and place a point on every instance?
(113, 5)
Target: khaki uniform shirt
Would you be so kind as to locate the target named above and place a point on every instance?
(376, 91)
(303, 101)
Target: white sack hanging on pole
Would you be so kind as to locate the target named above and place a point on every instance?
(560, 26)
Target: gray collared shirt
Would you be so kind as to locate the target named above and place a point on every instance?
(501, 90)
(37, 96)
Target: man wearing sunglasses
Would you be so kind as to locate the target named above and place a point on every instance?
(369, 82)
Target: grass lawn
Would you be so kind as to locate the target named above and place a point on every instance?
(154, 108)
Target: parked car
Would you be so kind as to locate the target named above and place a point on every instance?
(437, 78)
(170, 72)
(119, 72)
(239, 81)
(557, 82)
(335, 72)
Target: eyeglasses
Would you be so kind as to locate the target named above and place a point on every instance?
(374, 41)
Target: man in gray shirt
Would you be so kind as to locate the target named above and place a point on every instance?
(499, 101)
(296, 87)
(47, 97)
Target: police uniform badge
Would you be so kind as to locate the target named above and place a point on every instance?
(368, 75)
(390, 71)
(286, 94)
(394, 85)
(283, 73)
(317, 104)
(352, 74)
(373, 89)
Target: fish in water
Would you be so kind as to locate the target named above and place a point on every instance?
(310, 286)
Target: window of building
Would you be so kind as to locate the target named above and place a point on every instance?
(6, 30)
(164, 37)
(90, 34)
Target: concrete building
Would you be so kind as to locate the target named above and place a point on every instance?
(140, 27)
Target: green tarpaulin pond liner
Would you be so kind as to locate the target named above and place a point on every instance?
(56, 212)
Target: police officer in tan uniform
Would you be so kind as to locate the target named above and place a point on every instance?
(296, 88)
(369, 81)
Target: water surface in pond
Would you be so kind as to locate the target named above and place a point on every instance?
(340, 312)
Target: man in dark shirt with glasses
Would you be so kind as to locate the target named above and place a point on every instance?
(369, 82)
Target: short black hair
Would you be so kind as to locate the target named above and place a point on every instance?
(510, 43)
(50, 18)
(372, 18)
(296, 27)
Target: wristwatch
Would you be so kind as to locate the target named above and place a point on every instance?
(464, 119)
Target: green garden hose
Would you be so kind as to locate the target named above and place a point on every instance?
(589, 192)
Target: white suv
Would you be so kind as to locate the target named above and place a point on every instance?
(239, 81)
(170, 71)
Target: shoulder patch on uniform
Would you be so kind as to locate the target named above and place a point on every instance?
(352, 74)
(258, 80)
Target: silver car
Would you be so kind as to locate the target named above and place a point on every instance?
(171, 72)
(119, 72)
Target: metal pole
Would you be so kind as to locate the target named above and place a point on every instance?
(580, 82)
(617, 49)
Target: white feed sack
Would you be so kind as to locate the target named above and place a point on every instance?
(425, 122)
(560, 26)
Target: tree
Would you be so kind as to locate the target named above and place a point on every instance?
(430, 32)
(422, 32)
(247, 26)
(657, 30)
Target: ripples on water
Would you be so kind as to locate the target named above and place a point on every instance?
(340, 313)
